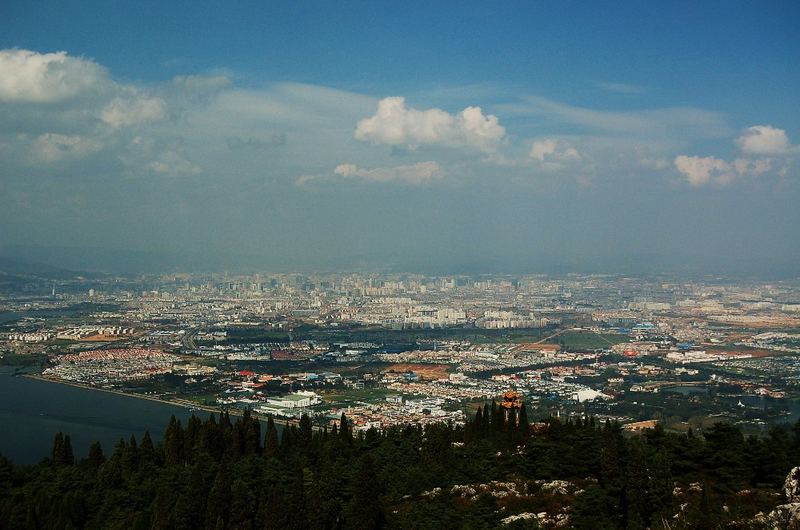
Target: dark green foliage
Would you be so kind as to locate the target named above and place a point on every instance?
(217, 474)
(364, 509)
(271, 439)
(96, 457)
(62, 451)
(173, 443)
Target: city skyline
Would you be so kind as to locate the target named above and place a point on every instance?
(517, 138)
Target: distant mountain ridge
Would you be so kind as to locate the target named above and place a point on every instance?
(91, 261)
(15, 269)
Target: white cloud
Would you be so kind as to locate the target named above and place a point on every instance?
(765, 140)
(620, 88)
(420, 173)
(703, 170)
(396, 124)
(51, 147)
(124, 111)
(479, 130)
(201, 83)
(759, 166)
(172, 163)
(27, 76)
(771, 143)
(205, 124)
(554, 154)
(553, 149)
(710, 170)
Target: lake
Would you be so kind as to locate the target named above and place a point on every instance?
(33, 411)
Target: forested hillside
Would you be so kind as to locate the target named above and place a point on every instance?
(495, 472)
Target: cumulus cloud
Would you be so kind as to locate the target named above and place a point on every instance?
(759, 166)
(58, 108)
(420, 173)
(396, 124)
(415, 174)
(173, 163)
(554, 154)
(70, 108)
(703, 170)
(700, 171)
(770, 152)
(52, 147)
(27, 76)
(553, 149)
(765, 140)
(124, 111)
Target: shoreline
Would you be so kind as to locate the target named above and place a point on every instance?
(184, 403)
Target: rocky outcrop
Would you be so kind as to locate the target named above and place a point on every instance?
(785, 516)
(791, 486)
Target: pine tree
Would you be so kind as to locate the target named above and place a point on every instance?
(487, 421)
(242, 506)
(477, 426)
(344, 430)
(147, 450)
(661, 486)
(57, 454)
(69, 456)
(225, 422)
(250, 434)
(96, 457)
(271, 445)
(6, 472)
(173, 443)
(197, 493)
(365, 510)
(511, 427)
(524, 430)
(130, 457)
(219, 498)
(161, 511)
(305, 433)
(181, 516)
(495, 421)
(636, 488)
(287, 439)
(192, 437)
(62, 454)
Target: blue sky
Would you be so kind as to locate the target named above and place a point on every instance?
(521, 135)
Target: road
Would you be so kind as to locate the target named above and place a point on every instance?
(188, 339)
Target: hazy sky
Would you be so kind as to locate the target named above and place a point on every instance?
(520, 136)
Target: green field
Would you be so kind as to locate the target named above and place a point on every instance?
(587, 340)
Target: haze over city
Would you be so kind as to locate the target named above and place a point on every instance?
(400, 265)
(523, 137)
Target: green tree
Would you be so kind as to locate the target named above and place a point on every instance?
(271, 444)
(96, 457)
(365, 510)
(174, 443)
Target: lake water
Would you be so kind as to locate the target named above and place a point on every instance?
(32, 412)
